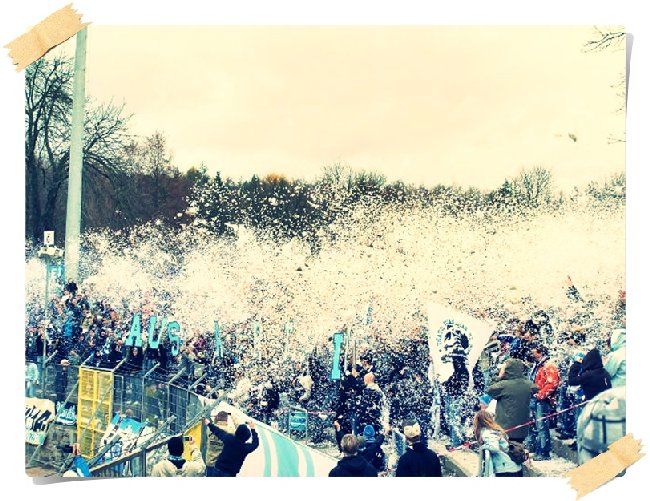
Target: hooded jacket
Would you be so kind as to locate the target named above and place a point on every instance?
(419, 461)
(512, 394)
(353, 466)
(215, 445)
(615, 363)
(235, 448)
(590, 375)
(193, 468)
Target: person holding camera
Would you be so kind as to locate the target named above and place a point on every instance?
(235, 448)
(174, 465)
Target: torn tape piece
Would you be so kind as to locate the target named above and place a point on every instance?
(604, 467)
(52, 31)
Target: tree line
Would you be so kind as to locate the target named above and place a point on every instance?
(130, 180)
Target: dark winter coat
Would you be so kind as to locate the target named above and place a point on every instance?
(351, 389)
(590, 375)
(61, 381)
(419, 461)
(353, 466)
(513, 393)
(115, 356)
(371, 407)
(234, 450)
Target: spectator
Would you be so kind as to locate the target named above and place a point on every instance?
(546, 377)
(348, 405)
(215, 444)
(79, 466)
(513, 392)
(590, 374)
(493, 439)
(305, 383)
(235, 448)
(601, 423)
(418, 460)
(615, 363)
(352, 465)
(366, 364)
(175, 465)
(371, 450)
(61, 381)
(372, 405)
(31, 379)
(269, 400)
(455, 404)
(134, 362)
(117, 354)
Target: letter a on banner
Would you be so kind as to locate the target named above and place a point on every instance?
(135, 334)
(174, 340)
(218, 345)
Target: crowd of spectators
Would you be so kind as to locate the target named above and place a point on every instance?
(385, 382)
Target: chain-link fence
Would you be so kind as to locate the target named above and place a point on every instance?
(166, 403)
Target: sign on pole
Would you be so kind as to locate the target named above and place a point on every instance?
(48, 238)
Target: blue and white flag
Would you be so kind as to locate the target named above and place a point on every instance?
(455, 335)
(278, 455)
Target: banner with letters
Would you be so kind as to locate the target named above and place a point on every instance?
(39, 413)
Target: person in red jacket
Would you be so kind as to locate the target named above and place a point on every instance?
(546, 377)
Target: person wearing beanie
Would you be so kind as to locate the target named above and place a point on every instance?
(174, 465)
(418, 460)
(215, 445)
(513, 392)
(235, 448)
(370, 448)
(352, 464)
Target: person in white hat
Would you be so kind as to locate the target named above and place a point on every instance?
(418, 460)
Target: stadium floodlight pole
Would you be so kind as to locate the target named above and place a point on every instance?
(73, 209)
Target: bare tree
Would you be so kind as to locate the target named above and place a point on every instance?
(48, 105)
(612, 39)
(535, 186)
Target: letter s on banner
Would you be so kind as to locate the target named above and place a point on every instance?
(174, 340)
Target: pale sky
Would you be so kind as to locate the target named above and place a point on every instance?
(452, 105)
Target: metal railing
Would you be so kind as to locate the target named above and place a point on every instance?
(168, 406)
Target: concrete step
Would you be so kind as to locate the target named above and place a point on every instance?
(465, 463)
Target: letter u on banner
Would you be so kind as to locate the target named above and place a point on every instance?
(156, 334)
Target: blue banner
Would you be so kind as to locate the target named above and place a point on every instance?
(218, 345)
(337, 339)
(135, 334)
